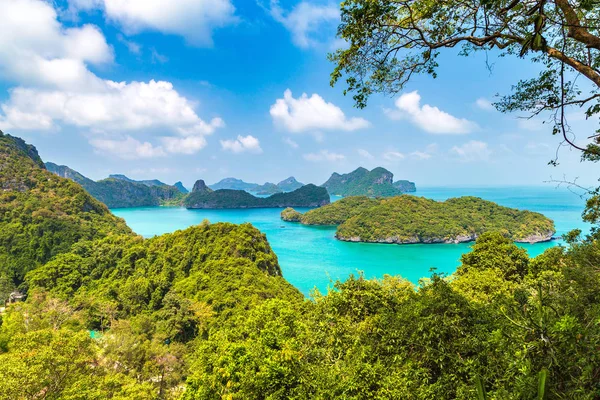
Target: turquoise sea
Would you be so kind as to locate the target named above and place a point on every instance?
(311, 257)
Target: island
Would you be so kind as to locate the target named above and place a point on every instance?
(287, 185)
(410, 219)
(266, 190)
(306, 196)
(118, 191)
(378, 182)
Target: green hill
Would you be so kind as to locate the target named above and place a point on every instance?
(118, 191)
(306, 196)
(41, 214)
(361, 182)
(409, 219)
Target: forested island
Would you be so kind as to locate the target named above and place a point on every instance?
(409, 219)
(204, 197)
(378, 182)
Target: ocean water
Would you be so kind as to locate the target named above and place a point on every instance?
(311, 257)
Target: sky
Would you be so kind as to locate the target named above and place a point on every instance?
(207, 89)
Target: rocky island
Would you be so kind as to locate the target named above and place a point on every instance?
(204, 197)
(378, 182)
(409, 219)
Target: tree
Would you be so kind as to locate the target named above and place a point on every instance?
(392, 40)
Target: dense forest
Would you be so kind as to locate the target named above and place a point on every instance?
(305, 196)
(411, 219)
(204, 313)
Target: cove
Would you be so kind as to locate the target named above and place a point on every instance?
(311, 257)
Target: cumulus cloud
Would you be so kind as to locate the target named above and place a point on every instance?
(365, 154)
(120, 106)
(243, 144)
(312, 113)
(36, 49)
(49, 63)
(306, 21)
(484, 104)
(194, 20)
(324, 155)
(128, 148)
(184, 145)
(430, 119)
(473, 150)
(393, 155)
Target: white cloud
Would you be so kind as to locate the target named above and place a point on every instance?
(128, 148)
(365, 154)
(430, 119)
(473, 150)
(426, 154)
(119, 107)
(157, 57)
(184, 145)
(393, 155)
(420, 155)
(484, 104)
(132, 46)
(290, 143)
(324, 155)
(242, 144)
(306, 21)
(49, 63)
(312, 113)
(36, 49)
(195, 20)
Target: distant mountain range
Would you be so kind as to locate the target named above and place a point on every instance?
(378, 182)
(286, 185)
(119, 191)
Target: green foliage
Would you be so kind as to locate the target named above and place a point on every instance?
(492, 250)
(362, 182)
(410, 219)
(306, 196)
(41, 214)
(339, 211)
(291, 215)
(204, 313)
(119, 191)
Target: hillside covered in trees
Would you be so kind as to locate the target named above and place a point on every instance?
(205, 313)
(306, 196)
(118, 191)
(410, 219)
(378, 182)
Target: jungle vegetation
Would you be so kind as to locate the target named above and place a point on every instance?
(411, 219)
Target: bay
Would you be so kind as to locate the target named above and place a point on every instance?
(311, 257)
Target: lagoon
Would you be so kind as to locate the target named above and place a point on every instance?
(310, 257)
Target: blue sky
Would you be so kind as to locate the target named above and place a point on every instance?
(216, 88)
